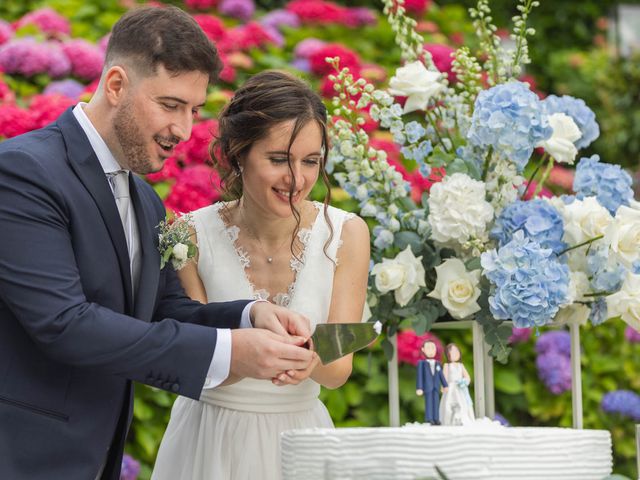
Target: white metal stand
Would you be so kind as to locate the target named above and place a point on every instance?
(394, 393)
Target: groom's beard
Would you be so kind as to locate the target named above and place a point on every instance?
(131, 140)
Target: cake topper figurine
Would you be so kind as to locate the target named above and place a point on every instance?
(456, 407)
(429, 382)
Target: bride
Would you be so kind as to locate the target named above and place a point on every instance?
(456, 407)
(270, 243)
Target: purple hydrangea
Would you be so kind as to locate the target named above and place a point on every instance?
(130, 468)
(25, 56)
(509, 118)
(240, 9)
(529, 284)
(558, 341)
(308, 47)
(6, 32)
(358, 16)
(503, 421)
(280, 18)
(622, 402)
(554, 370)
(581, 114)
(86, 59)
(537, 218)
(48, 21)
(302, 64)
(632, 335)
(610, 184)
(69, 88)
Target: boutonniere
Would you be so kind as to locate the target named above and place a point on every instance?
(438, 368)
(174, 242)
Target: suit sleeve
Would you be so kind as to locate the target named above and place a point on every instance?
(442, 379)
(40, 286)
(419, 378)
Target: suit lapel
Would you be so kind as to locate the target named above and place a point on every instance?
(85, 164)
(150, 257)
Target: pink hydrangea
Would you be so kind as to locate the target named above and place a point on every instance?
(197, 186)
(245, 37)
(48, 22)
(6, 95)
(359, 16)
(212, 26)
(201, 4)
(6, 32)
(24, 56)
(348, 58)
(420, 184)
(195, 151)
(170, 170)
(14, 120)
(417, 7)
(442, 59)
(86, 59)
(410, 345)
(103, 43)
(520, 335)
(45, 109)
(317, 11)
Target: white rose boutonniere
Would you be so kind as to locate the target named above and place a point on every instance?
(626, 302)
(416, 83)
(174, 242)
(457, 288)
(561, 144)
(404, 275)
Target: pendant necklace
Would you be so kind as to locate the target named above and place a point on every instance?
(268, 257)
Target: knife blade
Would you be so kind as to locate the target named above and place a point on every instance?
(334, 340)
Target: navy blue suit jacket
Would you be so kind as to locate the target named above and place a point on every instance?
(71, 337)
(427, 381)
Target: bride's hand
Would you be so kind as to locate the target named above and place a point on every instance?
(294, 377)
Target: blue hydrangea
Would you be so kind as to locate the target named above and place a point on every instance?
(558, 341)
(622, 402)
(538, 219)
(581, 114)
(554, 370)
(417, 152)
(610, 184)
(529, 284)
(599, 312)
(606, 274)
(635, 268)
(510, 118)
(383, 238)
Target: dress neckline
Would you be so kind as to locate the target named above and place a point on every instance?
(244, 261)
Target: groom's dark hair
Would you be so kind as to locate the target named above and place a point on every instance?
(146, 37)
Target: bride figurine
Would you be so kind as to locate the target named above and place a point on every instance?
(456, 407)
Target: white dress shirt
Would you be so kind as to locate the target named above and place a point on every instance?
(221, 361)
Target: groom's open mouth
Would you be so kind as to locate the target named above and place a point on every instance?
(166, 147)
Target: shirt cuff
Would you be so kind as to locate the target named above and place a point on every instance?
(245, 318)
(221, 361)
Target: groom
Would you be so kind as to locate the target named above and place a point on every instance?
(429, 381)
(84, 306)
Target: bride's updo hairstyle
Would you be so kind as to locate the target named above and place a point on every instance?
(265, 100)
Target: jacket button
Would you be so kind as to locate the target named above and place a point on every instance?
(175, 387)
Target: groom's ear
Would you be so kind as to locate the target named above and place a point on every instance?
(116, 81)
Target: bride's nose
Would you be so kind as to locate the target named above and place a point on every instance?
(295, 173)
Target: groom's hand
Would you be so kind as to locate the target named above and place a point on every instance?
(259, 353)
(279, 320)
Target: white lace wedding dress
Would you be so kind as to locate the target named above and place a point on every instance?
(233, 432)
(456, 407)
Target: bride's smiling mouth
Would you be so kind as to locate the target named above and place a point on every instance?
(285, 194)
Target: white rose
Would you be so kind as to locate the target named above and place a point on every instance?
(457, 288)
(560, 146)
(626, 302)
(416, 83)
(584, 220)
(414, 276)
(578, 286)
(180, 252)
(623, 236)
(458, 210)
(577, 314)
(389, 275)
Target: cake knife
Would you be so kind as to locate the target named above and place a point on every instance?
(334, 340)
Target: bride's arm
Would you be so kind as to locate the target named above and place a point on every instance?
(190, 279)
(348, 295)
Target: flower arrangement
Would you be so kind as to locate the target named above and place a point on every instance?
(174, 242)
(482, 243)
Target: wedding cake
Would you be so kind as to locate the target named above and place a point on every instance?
(483, 450)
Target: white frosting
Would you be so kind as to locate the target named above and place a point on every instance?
(483, 450)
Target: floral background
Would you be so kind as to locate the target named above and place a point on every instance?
(51, 53)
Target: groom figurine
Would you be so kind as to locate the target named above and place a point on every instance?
(84, 307)
(429, 381)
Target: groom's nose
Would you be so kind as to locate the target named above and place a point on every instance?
(182, 126)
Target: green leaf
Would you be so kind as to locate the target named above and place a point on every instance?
(402, 239)
(457, 166)
(473, 264)
(387, 347)
(404, 312)
(508, 381)
(420, 323)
